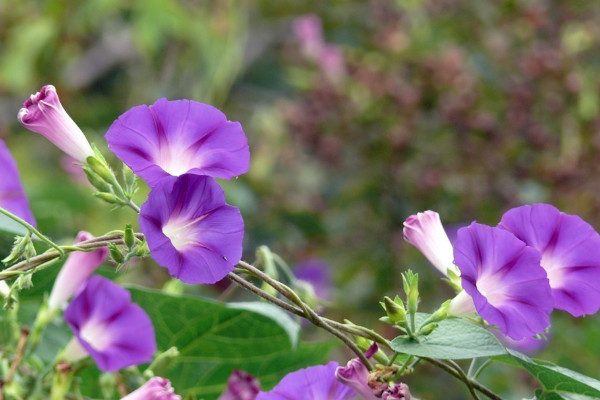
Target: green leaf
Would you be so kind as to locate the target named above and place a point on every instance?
(454, 339)
(557, 381)
(544, 395)
(213, 339)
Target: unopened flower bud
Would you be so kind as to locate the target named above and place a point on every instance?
(42, 113)
(96, 180)
(22, 248)
(109, 198)
(108, 384)
(99, 166)
(155, 389)
(115, 253)
(398, 391)
(241, 386)
(394, 310)
(410, 281)
(128, 237)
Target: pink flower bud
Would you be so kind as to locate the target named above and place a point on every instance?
(241, 386)
(425, 232)
(78, 267)
(356, 376)
(155, 389)
(397, 392)
(42, 113)
(309, 33)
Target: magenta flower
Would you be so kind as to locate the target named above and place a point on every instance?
(528, 345)
(42, 113)
(356, 376)
(241, 386)
(311, 383)
(171, 138)
(425, 231)
(191, 230)
(76, 270)
(309, 33)
(114, 331)
(12, 195)
(570, 250)
(155, 389)
(504, 278)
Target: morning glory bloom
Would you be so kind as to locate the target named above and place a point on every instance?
(504, 280)
(356, 376)
(172, 138)
(76, 270)
(190, 229)
(425, 231)
(12, 195)
(528, 345)
(310, 383)
(115, 332)
(155, 389)
(570, 250)
(42, 113)
(241, 386)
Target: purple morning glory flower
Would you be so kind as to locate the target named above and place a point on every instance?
(42, 113)
(78, 267)
(155, 389)
(318, 382)
(241, 386)
(191, 230)
(12, 196)
(114, 331)
(504, 278)
(171, 138)
(528, 345)
(356, 376)
(570, 250)
(317, 273)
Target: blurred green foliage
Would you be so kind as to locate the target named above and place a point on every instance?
(464, 107)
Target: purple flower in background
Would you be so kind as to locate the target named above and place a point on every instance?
(310, 383)
(155, 389)
(425, 231)
(528, 345)
(114, 331)
(191, 230)
(241, 386)
(570, 250)
(76, 270)
(504, 278)
(42, 113)
(171, 138)
(317, 273)
(309, 33)
(12, 195)
(331, 61)
(75, 172)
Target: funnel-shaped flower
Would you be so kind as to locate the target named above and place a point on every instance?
(114, 331)
(241, 386)
(425, 231)
(570, 250)
(171, 138)
(12, 196)
(78, 267)
(42, 113)
(311, 383)
(356, 376)
(191, 230)
(528, 345)
(503, 276)
(155, 389)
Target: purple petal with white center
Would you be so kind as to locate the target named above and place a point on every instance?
(42, 113)
(78, 267)
(570, 250)
(318, 382)
(171, 138)
(190, 229)
(504, 277)
(155, 389)
(241, 386)
(114, 331)
(12, 195)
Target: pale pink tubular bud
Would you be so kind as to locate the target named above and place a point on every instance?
(397, 391)
(241, 386)
(425, 231)
(356, 376)
(42, 113)
(155, 389)
(76, 270)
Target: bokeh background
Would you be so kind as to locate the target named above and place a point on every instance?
(358, 113)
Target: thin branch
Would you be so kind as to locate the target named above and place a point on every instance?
(464, 378)
(18, 354)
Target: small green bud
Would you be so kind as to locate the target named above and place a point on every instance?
(100, 167)
(428, 329)
(96, 180)
(410, 282)
(22, 248)
(108, 384)
(115, 253)
(441, 313)
(128, 237)
(161, 362)
(130, 180)
(109, 198)
(142, 250)
(395, 311)
(24, 281)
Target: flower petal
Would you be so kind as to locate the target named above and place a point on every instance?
(12, 195)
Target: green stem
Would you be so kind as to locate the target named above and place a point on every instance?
(480, 369)
(32, 230)
(464, 378)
